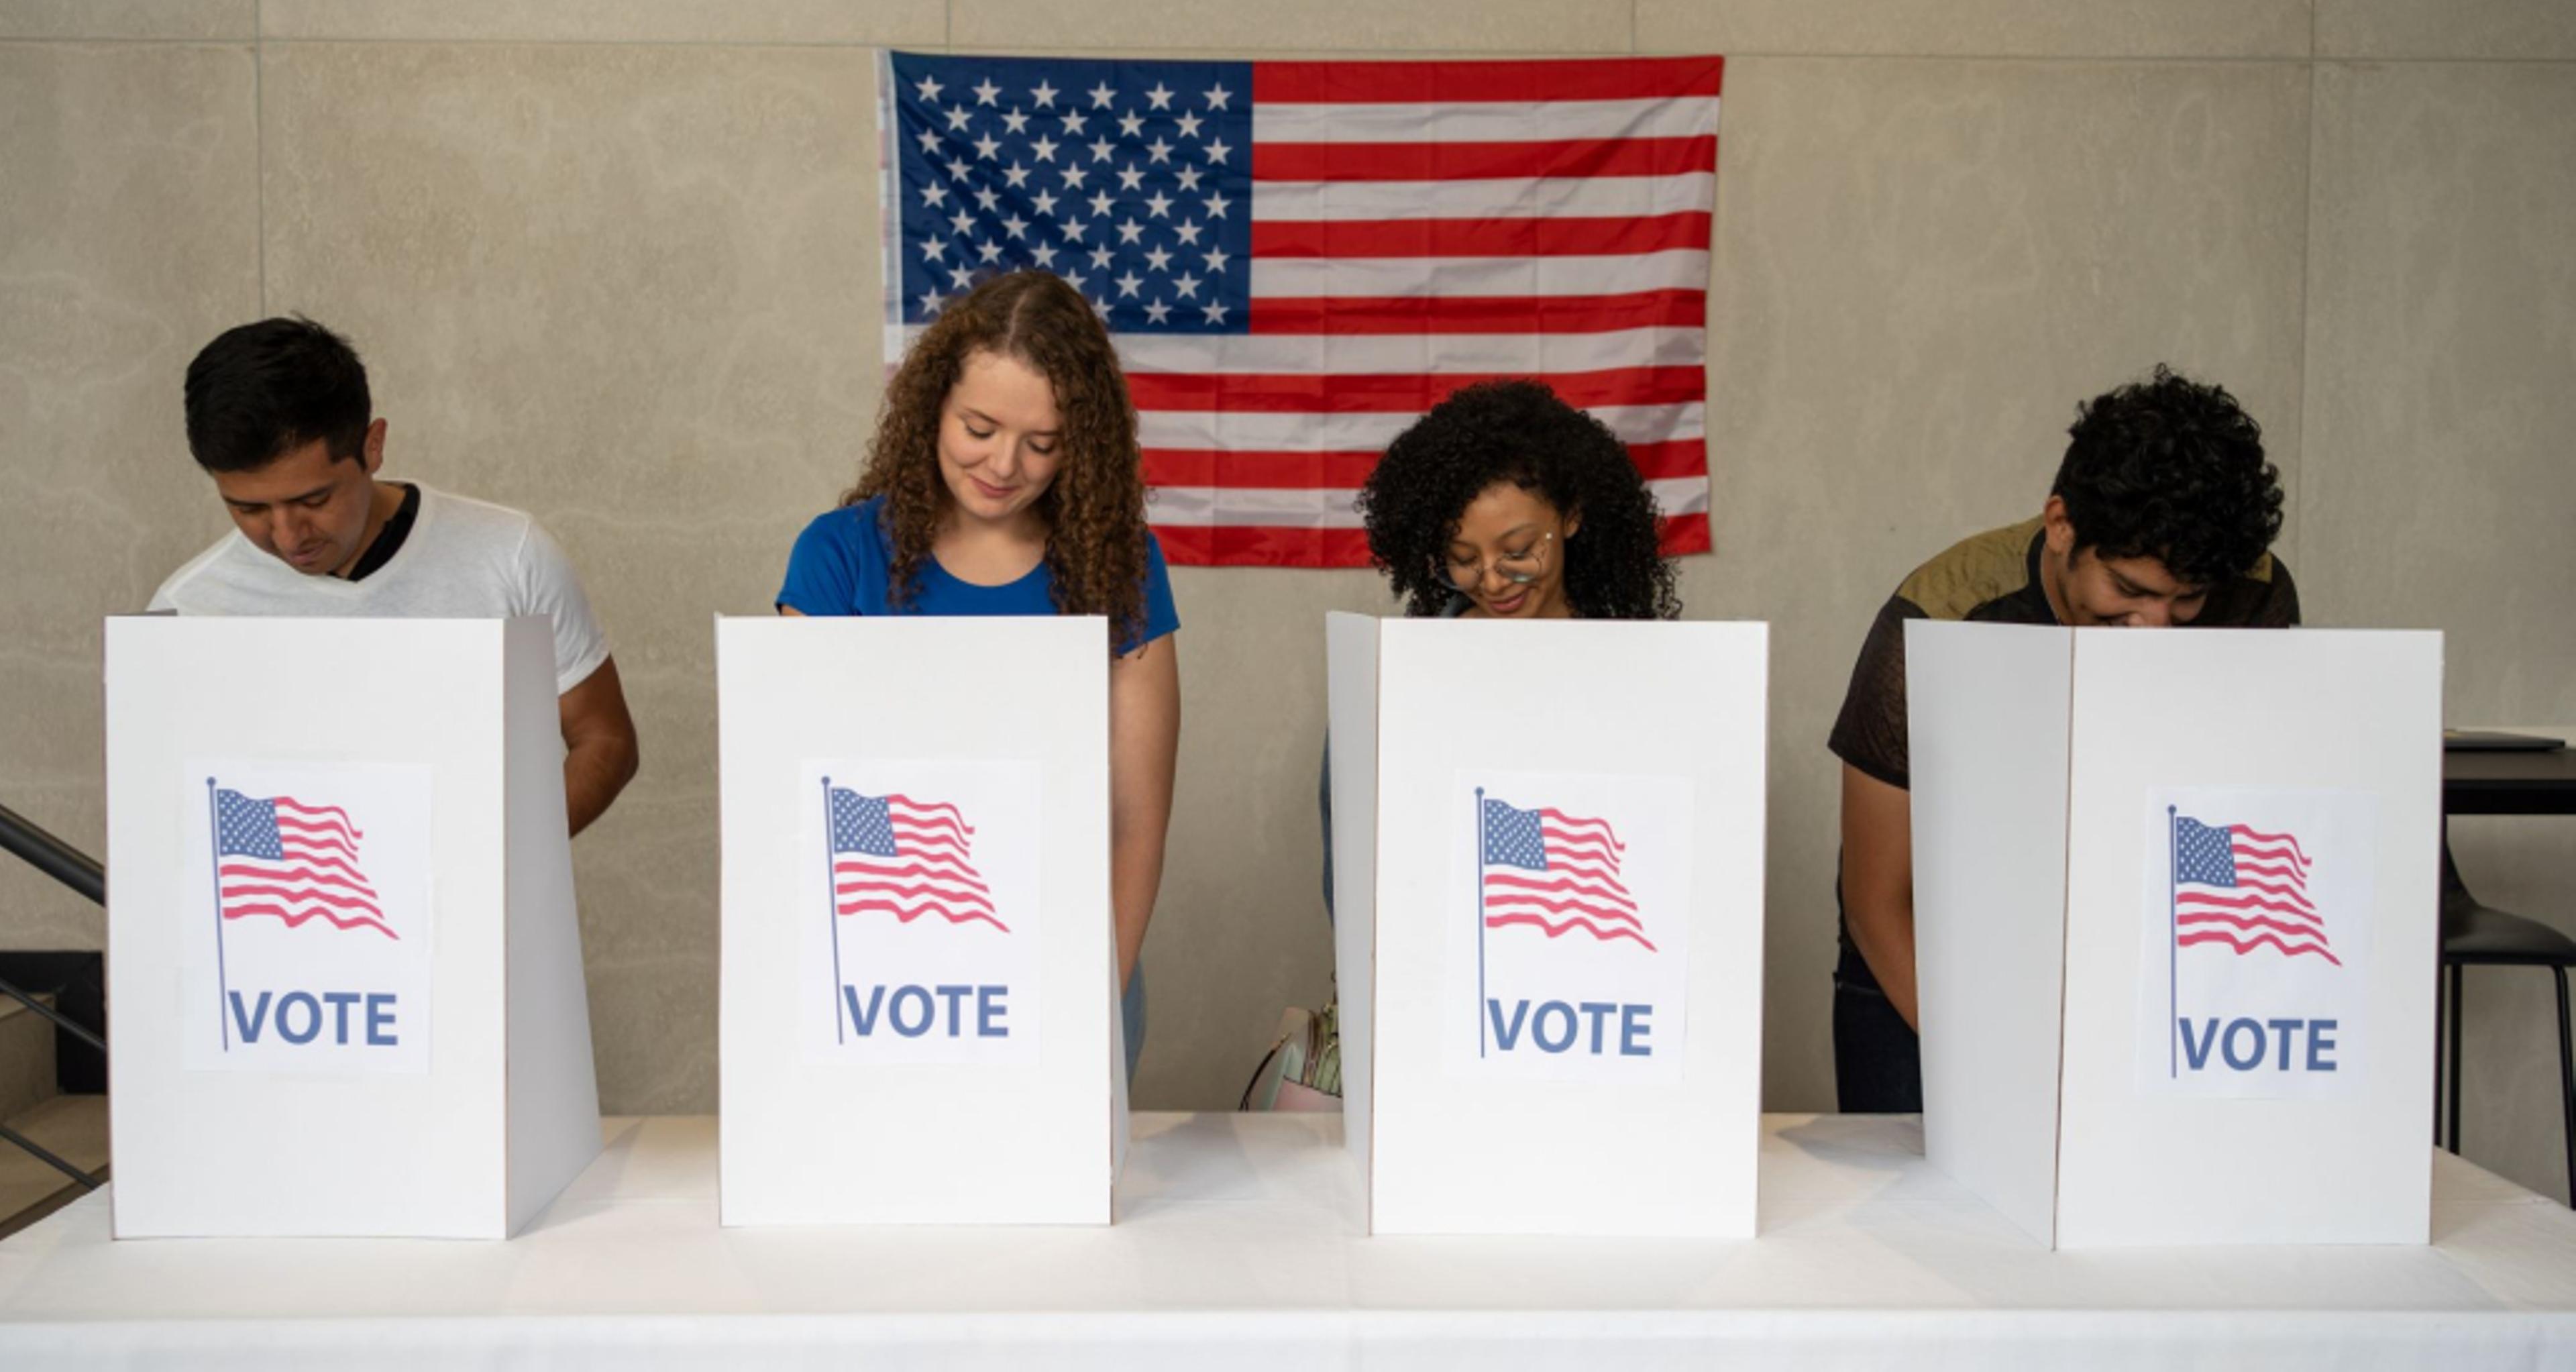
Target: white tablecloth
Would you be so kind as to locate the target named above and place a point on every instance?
(1239, 1246)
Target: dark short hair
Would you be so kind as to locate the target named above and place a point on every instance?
(262, 389)
(2172, 469)
(1520, 432)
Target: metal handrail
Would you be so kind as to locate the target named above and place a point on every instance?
(82, 873)
(61, 1021)
(52, 856)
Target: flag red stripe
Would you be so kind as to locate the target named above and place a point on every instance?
(303, 914)
(1574, 841)
(2244, 946)
(1224, 469)
(1512, 881)
(1392, 393)
(2278, 871)
(1261, 545)
(1603, 887)
(2295, 894)
(1683, 535)
(2250, 837)
(1562, 157)
(318, 811)
(2189, 899)
(1579, 822)
(2256, 922)
(1267, 545)
(2273, 852)
(267, 873)
(314, 894)
(944, 839)
(914, 889)
(907, 916)
(1275, 239)
(1587, 909)
(298, 843)
(335, 833)
(930, 810)
(1418, 314)
(1554, 928)
(931, 868)
(1369, 83)
(328, 866)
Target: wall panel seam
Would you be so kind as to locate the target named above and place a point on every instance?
(259, 143)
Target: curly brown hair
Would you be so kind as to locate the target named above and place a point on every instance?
(1094, 509)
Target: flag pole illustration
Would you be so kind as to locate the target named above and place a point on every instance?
(1480, 921)
(215, 874)
(832, 915)
(2173, 945)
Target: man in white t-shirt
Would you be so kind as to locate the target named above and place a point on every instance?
(279, 416)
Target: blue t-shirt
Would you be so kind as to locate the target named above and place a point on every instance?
(844, 565)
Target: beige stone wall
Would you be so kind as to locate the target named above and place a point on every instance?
(616, 263)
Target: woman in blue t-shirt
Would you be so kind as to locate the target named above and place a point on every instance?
(1004, 480)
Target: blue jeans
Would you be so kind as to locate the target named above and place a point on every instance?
(1131, 1014)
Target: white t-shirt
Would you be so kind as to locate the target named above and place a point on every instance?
(464, 560)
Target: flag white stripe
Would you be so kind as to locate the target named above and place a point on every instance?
(1513, 197)
(1331, 508)
(1614, 274)
(1321, 433)
(1522, 121)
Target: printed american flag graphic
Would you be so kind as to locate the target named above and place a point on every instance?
(1556, 872)
(894, 855)
(286, 859)
(1297, 259)
(2244, 889)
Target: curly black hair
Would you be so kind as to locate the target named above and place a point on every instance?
(1520, 432)
(2172, 469)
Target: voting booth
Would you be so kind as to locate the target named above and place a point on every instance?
(1547, 842)
(344, 968)
(2176, 928)
(919, 988)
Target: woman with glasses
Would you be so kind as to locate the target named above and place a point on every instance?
(1505, 502)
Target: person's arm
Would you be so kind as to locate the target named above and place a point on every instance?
(1144, 741)
(1878, 882)
(600, 752)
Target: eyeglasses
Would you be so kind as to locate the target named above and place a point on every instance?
(1520, 568)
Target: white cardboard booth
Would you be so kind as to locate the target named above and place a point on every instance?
(345, 979)
(1548, 847)
(2176, 928)
(918, 1018)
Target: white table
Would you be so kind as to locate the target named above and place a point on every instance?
(1239, 1246)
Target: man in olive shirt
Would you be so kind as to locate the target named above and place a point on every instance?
(2162, 514)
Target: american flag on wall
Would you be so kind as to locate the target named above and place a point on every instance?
(1297, 259)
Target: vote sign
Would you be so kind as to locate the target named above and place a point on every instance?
(1568, 953)
(920, 912)
(304, 918)
(2255, 917)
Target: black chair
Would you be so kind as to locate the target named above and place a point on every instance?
(2475, 935)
